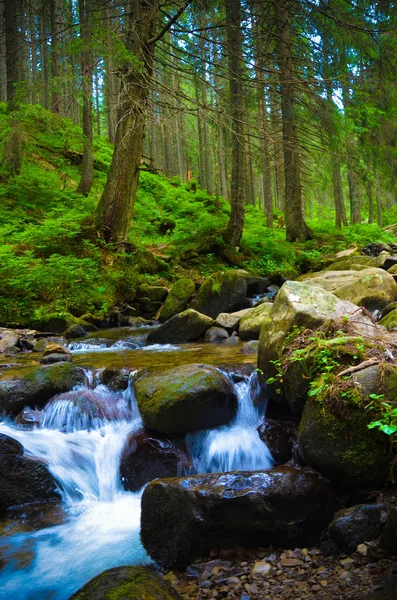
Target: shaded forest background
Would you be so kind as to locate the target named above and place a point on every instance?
(239, 117)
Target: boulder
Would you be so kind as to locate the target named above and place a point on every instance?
(388, 309)
(184, 327)
(155, 293)
(54, 348)
(301, 305)
(10, 446)
(146, 457)
(280, 437)
(8, 341)
(251, 323)
(216, 334)
(351, 263)
(390, 320)
(250, 347)
(25, 481)
(51, 359)
(40, 345)
(188, 398)
(388, 539)
(230, 321)
(127, 583)
(177, 300)
(342, 447)
(357, 524)
(37, 385)
(75, 331)
(225, 291)
(371, 287)
(183, 519)
(115, 379)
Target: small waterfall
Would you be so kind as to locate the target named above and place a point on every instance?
(236, 446)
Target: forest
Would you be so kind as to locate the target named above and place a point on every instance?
(198, 299)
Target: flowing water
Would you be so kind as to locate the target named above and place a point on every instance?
(100, 522)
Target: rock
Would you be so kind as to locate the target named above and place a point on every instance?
(262, 569)
(352, 263)
(390, 320)
(250, 347)
(184, 327)
(25, 481)
(335, 446)
(177, 300)
(347, 252)
(50, 359)
(29, 417)
(10, 446)
(146, 457)
(37, 386)
(225, 291)
(54, 348)
(184, 518)
(155, 293)
(357, 524)
(188, 398)
(41, 345)
(8, 341)
(115, 379)
(251, 323)
(279, 437)
(388, 309)
(291, 562)
(299, 304)
(75, 331)
(127, 583)
(371, 287)
(388, 539)
(216, 334)
(230, 321)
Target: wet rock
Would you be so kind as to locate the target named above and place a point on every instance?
(37, 385)
(146, 457)
(216, 334)
(8, 341)
(223, 292)
(251, 323)
(336, 444)
(54, 348)
(189, 398)
(75, 331)
(25, 481)
(184, 327)
(184, 518)
(50, 359)
(115, 379)
(10, 446)
(371, 287)
(230, 321)
(357, 524)
(250, 347)
(127, 583)
(40, 345)
(388, 539)
(29, 417)
(279, 436)
(177, 300)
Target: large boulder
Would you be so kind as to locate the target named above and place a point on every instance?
(371, 287)
(183, 519)
(225, 292)
(357, 524)
(216, 334)
(301, 305)
(146, 457)
(184, 327)
(37, 386)
(127, 583)
(177, 300)
(8, 341)
(390, 320)
(280, 437)
(188, 398)
(24, 480)
(231, 321)
(251, 323)
(10, 446)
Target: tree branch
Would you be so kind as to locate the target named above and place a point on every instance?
(169, 24)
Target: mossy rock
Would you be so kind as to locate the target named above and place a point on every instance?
(184, 327)
(127, 583)
(390, 320)
(222, 292)
(24, 480)
(37, 385)
(357, 524)
(371, 287)
(155, 293)
(388, 539)
(251, 323)
(177, 300)
(189, 398)
(353, 263)
(343, 448)
(147, 262)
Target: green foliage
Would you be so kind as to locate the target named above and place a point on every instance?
(387, 421)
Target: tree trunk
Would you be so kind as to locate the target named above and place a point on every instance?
(234, 230)
(55, 63)
(12, 52)
(378, 199)
(296, 228)
(370, 201)
(340, 212)
(3, 55)
(117, 202)
(43, 21)
(87, 66)
(33, 50)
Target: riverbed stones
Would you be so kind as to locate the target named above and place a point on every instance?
(75, 331)
(35, 386)
(216, 334)
(230, 321)
(188, 398)
(186, 326)
(251, 323)
(25, 481)
(146, 457)
(225, 292)
(185, 518)
(127, 583)
(371, 287)
(357, 524)
(178, 298)
(8, 341)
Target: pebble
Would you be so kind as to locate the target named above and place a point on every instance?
(262, 569)
(291, 562)
(362, 549)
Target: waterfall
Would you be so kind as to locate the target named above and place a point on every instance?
(233, 447)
